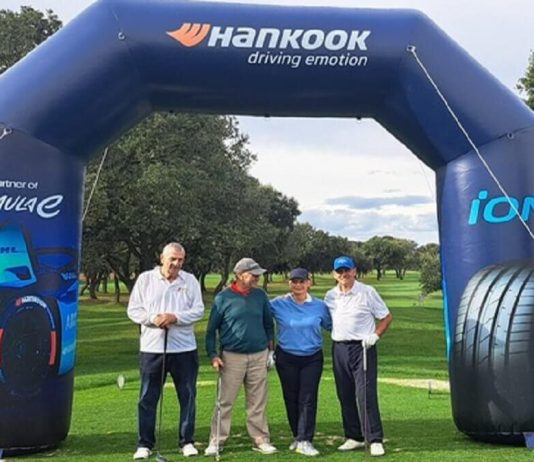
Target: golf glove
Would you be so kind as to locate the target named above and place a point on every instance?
(370, 340)
(270, 360)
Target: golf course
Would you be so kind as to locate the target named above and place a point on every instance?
(413, 387)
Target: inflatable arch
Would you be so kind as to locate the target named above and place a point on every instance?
(120, 60)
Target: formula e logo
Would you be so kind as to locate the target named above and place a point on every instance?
(191, 35)
(499, 209)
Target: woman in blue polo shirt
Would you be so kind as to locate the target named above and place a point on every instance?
(299, 356)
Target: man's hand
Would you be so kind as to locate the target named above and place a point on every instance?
(270, 360)
(217, 363)
(164, 320)
(370, 340)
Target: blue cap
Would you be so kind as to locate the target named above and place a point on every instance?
(299, 273)
(344, 262)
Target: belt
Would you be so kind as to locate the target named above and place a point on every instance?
(349, 342)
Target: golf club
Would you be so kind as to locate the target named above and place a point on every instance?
(159, 457)
(218, 424)
(364, 352)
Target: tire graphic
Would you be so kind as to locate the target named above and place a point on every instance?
(492, 365)
(28, 346)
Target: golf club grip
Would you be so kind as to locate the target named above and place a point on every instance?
(165, 343)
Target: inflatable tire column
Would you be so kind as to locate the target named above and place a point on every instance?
(492, 373)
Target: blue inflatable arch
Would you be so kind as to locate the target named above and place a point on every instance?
(121, 60)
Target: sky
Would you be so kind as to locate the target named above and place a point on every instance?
(352, 178)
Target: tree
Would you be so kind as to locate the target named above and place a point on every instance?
(402, 256)
(21, 32)
(526, 84)
(315, 249)
(379, 250)
(278, 213)
(430, 268)
(173, 177)
(363, 262)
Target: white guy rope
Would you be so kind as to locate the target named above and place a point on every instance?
(95, 183)
(412, 49)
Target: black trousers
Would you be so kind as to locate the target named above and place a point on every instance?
(183, 368)
(356, 389)
(299, 377)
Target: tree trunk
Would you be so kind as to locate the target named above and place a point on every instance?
(122, 268)
(222, 283)
(116, 282)
(202, 281)
(265, 280)
(93, 284)
(225, 275)
(105, 278)
(85, 286)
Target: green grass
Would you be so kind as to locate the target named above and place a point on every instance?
(418, 427)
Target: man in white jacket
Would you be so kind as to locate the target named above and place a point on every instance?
(167, 299)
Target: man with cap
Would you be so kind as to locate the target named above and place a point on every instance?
(241, 316)
(299, 356)
(355, 308)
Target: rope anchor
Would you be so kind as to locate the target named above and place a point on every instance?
(5, 132)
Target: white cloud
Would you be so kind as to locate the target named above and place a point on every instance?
(416, 224)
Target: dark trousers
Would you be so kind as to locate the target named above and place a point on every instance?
(299, 377)
(183, 368)
(356, 389)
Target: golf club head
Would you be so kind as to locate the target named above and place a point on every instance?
(160, 458)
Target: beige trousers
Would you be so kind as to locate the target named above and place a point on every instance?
(250, 370)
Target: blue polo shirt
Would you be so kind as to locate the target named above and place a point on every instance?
(298, 326)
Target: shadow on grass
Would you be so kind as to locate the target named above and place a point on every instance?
(408, 437)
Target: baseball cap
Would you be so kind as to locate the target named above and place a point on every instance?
(248, 265)
(299, 273)
(344, 262)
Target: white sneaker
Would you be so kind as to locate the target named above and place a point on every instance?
(211, 450)
(306, 449)
(377, 449)
(350, 445)
(265, 448)
(189, 450)
(142, 453)
(293, 445)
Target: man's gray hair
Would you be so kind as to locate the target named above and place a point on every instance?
(173, 246)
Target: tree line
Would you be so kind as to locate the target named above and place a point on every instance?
(184, 177)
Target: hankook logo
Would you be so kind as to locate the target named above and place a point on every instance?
(191, 35)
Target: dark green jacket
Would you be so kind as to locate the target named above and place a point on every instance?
(244, 323)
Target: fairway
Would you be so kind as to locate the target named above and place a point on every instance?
(418, 424)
